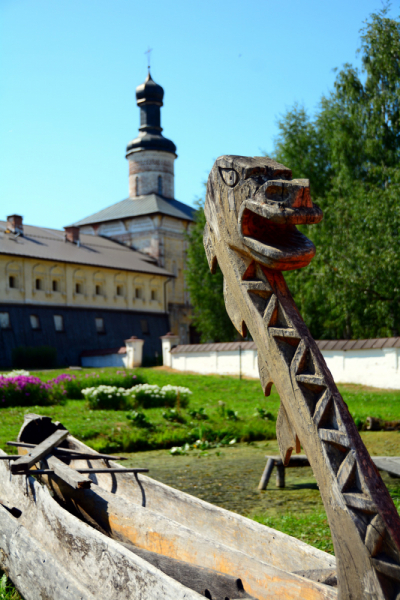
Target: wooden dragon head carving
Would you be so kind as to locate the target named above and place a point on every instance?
(252, 209)
(260, 205)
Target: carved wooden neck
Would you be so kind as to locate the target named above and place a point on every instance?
(364, 523)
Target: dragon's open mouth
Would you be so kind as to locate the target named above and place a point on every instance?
(270, 233)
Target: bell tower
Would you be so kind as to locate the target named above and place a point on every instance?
(150, 155)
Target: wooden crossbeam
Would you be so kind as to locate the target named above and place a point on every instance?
(53, 471)
(67, 451)
(40, 451)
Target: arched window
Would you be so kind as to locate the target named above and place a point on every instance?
(159, 184)
(137, 186)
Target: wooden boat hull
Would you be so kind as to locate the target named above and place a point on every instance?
(157, 518)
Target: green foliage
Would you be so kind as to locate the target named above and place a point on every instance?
(75, 383)
(199, 414)
(7, 590)
(37, 357)
(173, 415)
(350, 150)
(206, 290)
(139, 419)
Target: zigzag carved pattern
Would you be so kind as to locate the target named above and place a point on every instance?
(337, 446)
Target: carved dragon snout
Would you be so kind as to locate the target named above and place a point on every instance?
(259, 198)
(252, 208)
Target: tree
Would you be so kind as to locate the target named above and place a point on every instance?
(206, 290)
(350, 151)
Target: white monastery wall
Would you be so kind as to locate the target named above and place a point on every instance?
(378, 368)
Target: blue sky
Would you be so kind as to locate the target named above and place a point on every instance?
(69, 70)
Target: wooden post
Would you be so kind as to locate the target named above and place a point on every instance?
(280, 474)
(266, 474)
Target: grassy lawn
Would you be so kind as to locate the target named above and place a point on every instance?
(227, 475)
(238, 417)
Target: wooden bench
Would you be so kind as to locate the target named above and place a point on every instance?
(390, 464)
(299, 460)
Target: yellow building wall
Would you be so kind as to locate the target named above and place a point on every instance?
(78, 285)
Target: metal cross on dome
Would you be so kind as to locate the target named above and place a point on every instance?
(148, 52)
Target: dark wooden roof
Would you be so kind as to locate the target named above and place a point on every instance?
(372, 344)
(138, 207)
(97, 251)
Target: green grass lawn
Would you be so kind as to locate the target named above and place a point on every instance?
(226, 475)
(111, 431)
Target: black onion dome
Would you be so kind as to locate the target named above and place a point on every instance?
(149, 98)
(149, 91)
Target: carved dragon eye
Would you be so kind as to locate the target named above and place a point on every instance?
(230, 176)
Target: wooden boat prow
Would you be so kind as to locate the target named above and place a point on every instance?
(140, 517)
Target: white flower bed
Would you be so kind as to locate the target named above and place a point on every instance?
(16, 373)
(148, 396)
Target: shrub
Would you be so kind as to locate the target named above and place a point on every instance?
(38, 357)
(199, 414)
(261, 413)
(139, 419)
(108, 397)
(232, 415)
(74, 384)
(171, 414)
(26, 390)
(152, 396)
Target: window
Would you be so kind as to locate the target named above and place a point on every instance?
(99, 324)
(35, 323)
(154, 294)
(12, 281)
(5, 322)
(159, 180)
(78, 288)
(98, 290)
(39, 284)
(55, 284)
(58, 322)
(137, 186)
(144, 325)
(138, 293)
(120, 290)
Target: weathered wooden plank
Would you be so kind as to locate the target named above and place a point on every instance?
(34, 570)
(390, 465)
(73, 478)
(91, 564)
(40, 451)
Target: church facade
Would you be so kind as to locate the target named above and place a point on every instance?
(151, 220)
